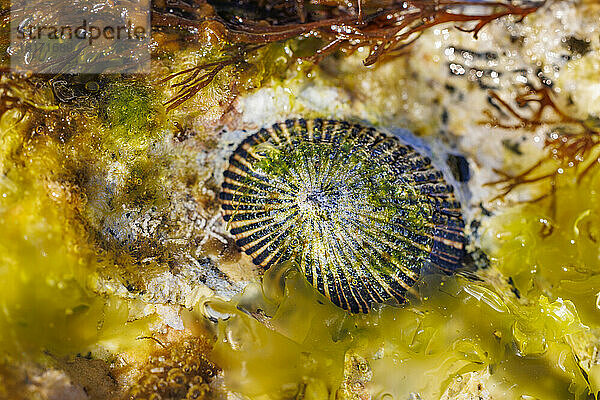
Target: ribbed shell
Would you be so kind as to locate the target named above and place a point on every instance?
(360, 213)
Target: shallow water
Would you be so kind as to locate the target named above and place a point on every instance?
(112, 247)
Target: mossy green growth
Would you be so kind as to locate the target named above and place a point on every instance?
(133, 113)
(273, 62)
(46, 266)
(47, 260)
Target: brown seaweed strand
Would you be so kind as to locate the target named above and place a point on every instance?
(570, 149)
(198, 77)
(388, 31)
(382, 30)
(428, 17)
(508, 182)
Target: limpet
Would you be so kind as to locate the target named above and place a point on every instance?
(359, 212)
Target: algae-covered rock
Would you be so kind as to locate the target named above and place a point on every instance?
(119, 278)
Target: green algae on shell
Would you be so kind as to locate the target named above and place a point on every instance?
(357, 211)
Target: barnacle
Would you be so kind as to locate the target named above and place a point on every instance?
(360, 213)
(176, 371)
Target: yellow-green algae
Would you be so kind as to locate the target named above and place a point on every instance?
(133, 112)
(462, 327)
(297, 345)
(55, 163)
(47, 257)
(530, 323)
(254, 67)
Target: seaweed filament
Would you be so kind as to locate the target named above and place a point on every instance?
(570, 141)
(200, 76)
(386, 28)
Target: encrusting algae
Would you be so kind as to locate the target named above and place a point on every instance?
(119, 278)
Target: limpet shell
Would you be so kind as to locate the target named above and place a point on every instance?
(360, 213)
